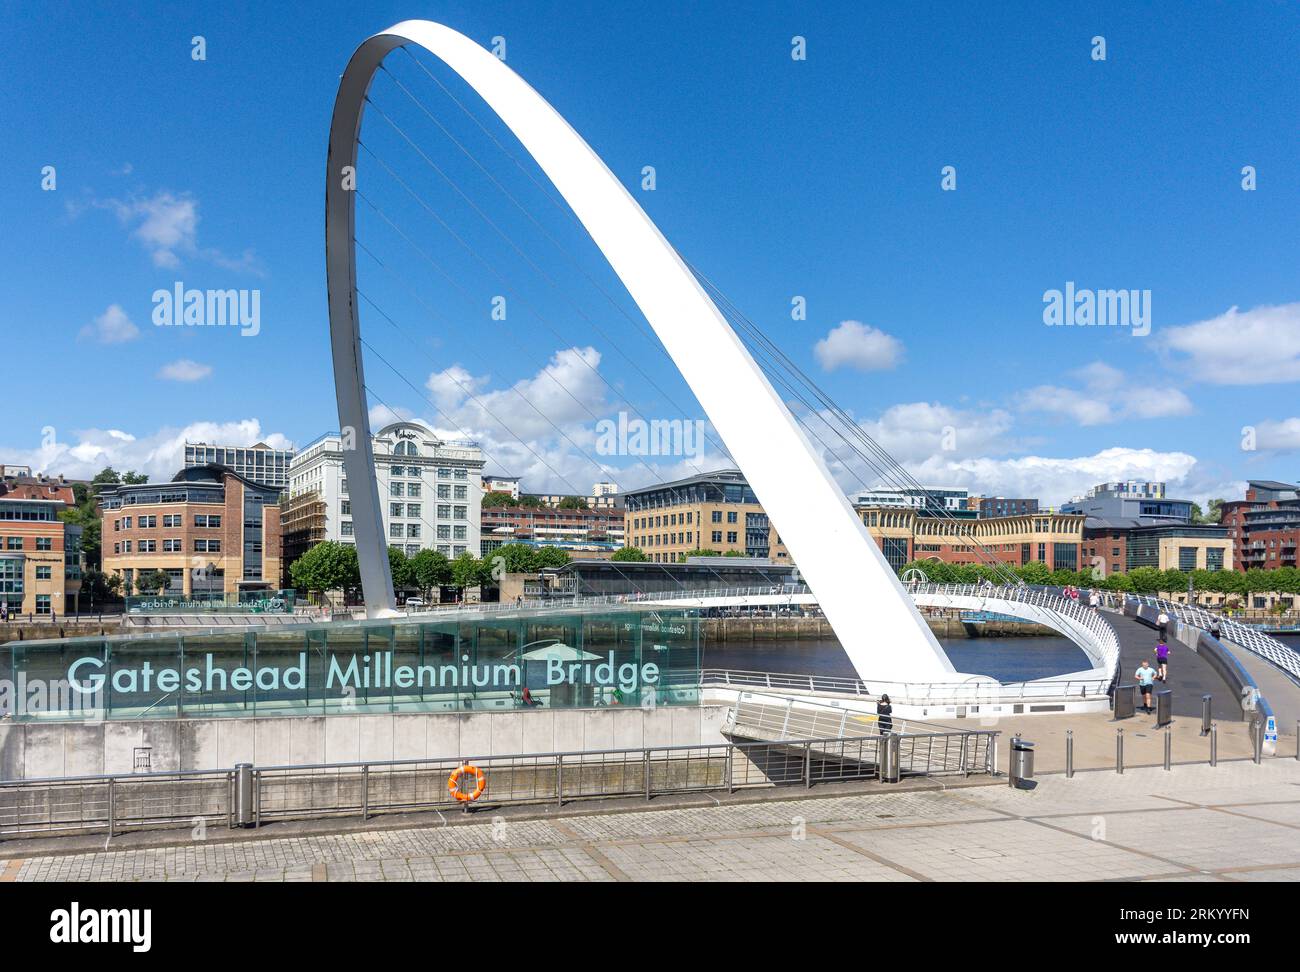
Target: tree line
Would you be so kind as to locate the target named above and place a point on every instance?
(1139, 580)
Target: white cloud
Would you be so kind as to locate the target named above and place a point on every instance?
(81, 453)
(1107, 395)
(166, 224)
(1056, 479)
(111, 327)
(853, 344)
(1282, 436)
(184, 370)
(1252, 347)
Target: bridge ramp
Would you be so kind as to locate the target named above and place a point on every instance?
(1190, 676)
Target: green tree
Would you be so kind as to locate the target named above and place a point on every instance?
(572, 503)
(328, 566)
(496, 499)
(399, 565)
(432, 569)
(633, 554)
(1146, 580)
(465, 571)
(681, 558)
(1034, 572)
(150, 581)
(551, 557)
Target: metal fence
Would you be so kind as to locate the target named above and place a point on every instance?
(1275, 652)
(113, 804)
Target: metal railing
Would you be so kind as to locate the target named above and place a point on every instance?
(933, 693)
(1253, 640)
(116, 803)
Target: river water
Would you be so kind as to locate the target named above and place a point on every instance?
(1006, 659)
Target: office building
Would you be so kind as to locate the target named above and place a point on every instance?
(259, 463)
(430, 490)
(1132, 500)
(712, 511)
(40, 555)
(210, 530)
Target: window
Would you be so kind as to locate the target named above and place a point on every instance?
(43, 573)
(444, 491)
(13, 543)
(207, 546)
(731, 517)
(444, 532)
(413, 509)
(1214, 558)
(413, 530)
(148, 546)
(444, 511)
(717, 516)
(42, 604)
(346, 508)
(394, 509)
(458, 513)
(172, 546)
(117, 525)
(397, 471)
(731, 536)
(412, 549)
(395, 531)
(171, 519)
(462, 474)
(717, 536)
(209, 522)
(461, 532)
(148, 522)
(412, 489)
(462, 492)
(413, 472)
(395, 489)
(126, 523)
(345, 528)
(1186, 558)
(444, 472)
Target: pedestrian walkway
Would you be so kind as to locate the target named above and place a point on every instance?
(1190, 676)
(1236, 822)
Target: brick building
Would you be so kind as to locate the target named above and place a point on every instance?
(40, 555)
(210, 530)
(1265, 526)
(1054, 539)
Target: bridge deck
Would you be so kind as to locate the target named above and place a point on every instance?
(1190, 676)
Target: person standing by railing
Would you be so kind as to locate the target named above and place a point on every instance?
(885, 715)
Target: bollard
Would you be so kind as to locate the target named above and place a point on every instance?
(243, 794)
(1205, 714)
(889, 759)
(1257, 740)
(1214, 744)
(1119, 751)
(1069, 754)
(1169, 750)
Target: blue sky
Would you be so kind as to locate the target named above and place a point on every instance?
(818, 178)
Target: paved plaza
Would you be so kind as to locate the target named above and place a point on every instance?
(1234, 822)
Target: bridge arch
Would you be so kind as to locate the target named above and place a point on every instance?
(863, 600)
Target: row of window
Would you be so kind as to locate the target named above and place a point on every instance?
(150, 521)
(16, 543)
(445, 491)
(672, 539)
(168, 546)
(414, 472)
(674, 519)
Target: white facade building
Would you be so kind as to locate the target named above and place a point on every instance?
(430, 491)
(926, 497)
(259, 462)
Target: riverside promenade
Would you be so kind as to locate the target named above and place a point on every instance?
(1234, 822)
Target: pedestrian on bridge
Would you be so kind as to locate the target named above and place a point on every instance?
(1163, 622)
(1162, 660)
(1146, 676)
(885, 715)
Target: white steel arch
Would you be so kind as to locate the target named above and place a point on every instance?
(876, 622)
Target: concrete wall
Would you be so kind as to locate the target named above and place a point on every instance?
(29, 750)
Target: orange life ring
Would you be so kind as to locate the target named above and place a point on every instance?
(480, 783)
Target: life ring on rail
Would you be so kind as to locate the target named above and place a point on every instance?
(480, 783)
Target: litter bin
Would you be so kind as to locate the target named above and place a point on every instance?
(889, 759)
(1164, 707)
(1020, 768)
(1125, 704)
